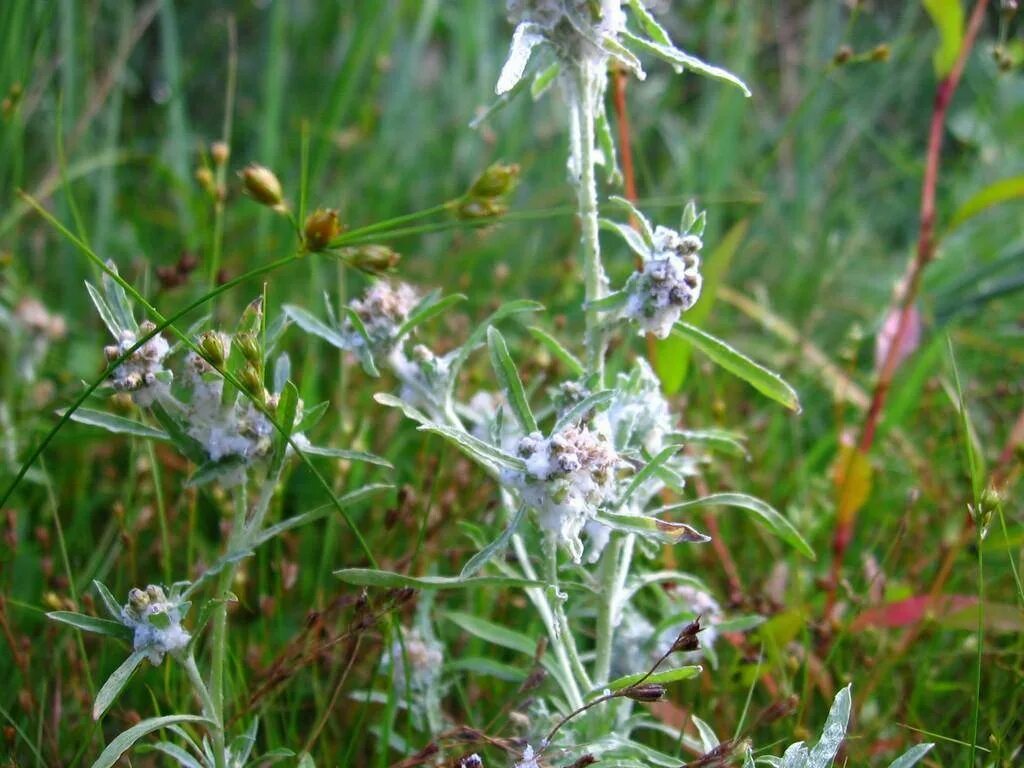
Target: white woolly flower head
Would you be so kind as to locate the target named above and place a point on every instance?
(416, 662)
(667, 284)
(382, 309)
(142, 373)
(529, 760)
(568, 477)
(156, 622)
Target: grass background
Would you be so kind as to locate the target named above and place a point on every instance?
(110, 107)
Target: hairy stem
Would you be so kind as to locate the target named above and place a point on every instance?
(615, 564)
(565, 635)
(586, 202)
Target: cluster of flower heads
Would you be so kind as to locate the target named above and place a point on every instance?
(140, 373)
(235, 428)
(156, 623)
(568, 476)
(667, 284)
(382, 310)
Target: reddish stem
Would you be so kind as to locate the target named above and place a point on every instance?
(912, 280)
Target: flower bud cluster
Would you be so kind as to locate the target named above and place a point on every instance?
(667, 285)
(568, 476)
(140, 373)
(156, 622)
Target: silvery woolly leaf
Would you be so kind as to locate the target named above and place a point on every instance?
(911, 757)
(525, 38)
(118, 425)
(679, 58)
(311, 324)
(646, 229)
(633, 239)
(115, 683)
(176, 753)
(833, 733)
(126, 739)
(795, 756)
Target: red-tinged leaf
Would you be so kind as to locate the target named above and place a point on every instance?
(910, 339)
(912, 610)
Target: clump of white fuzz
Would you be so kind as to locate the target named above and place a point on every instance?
(567, 478)
(140, 373)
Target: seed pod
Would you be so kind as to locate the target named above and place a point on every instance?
(497, 180)
(321, 227)
(262, 185)
(249, 347)
(646, 692)
(687, 639)
(214, 346)
(375, 259)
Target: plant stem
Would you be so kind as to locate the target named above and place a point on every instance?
(565, 635)
(194, 677)
(540, 601)
(615, 564)
(582, 99)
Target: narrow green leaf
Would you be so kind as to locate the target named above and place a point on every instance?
(778, 524)
(342, 453)
(287, 407)
(311, 416)
(646, 229)
(176, 753)
(948, 17)
(368, 577)
(108, 599)
(544, 79)
(652, 528)
(633, 239)
(479, 334)
(680, 58)
(493, 633)
(115, 683)
(708, 739)
(569, 360)
(590, 403)
(495, 548)
(93, 624)
(105, 312)
(184, 442)
(1001, 191)
(313, 325)
(718, 439)
(118, 302)
(212, 471)
(425, 312)
(610, 302)
(648, 471)
(912, 756)
(124, 741)
(508, 378)
(349, 499)
(760, 378)
(650, 25)
(476, 448)
(668, 676)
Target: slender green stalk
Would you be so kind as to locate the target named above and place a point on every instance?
(222, 168)
(201, 691)
(161, 512)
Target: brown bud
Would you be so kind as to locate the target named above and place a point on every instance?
(206, 181)
(646, 692)
(687, 640)
(262, 185)
(374, 259)
(880, 52)
(220, 152)
(481, 208)
(584, 761)
(842, 55)
(321, 227)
